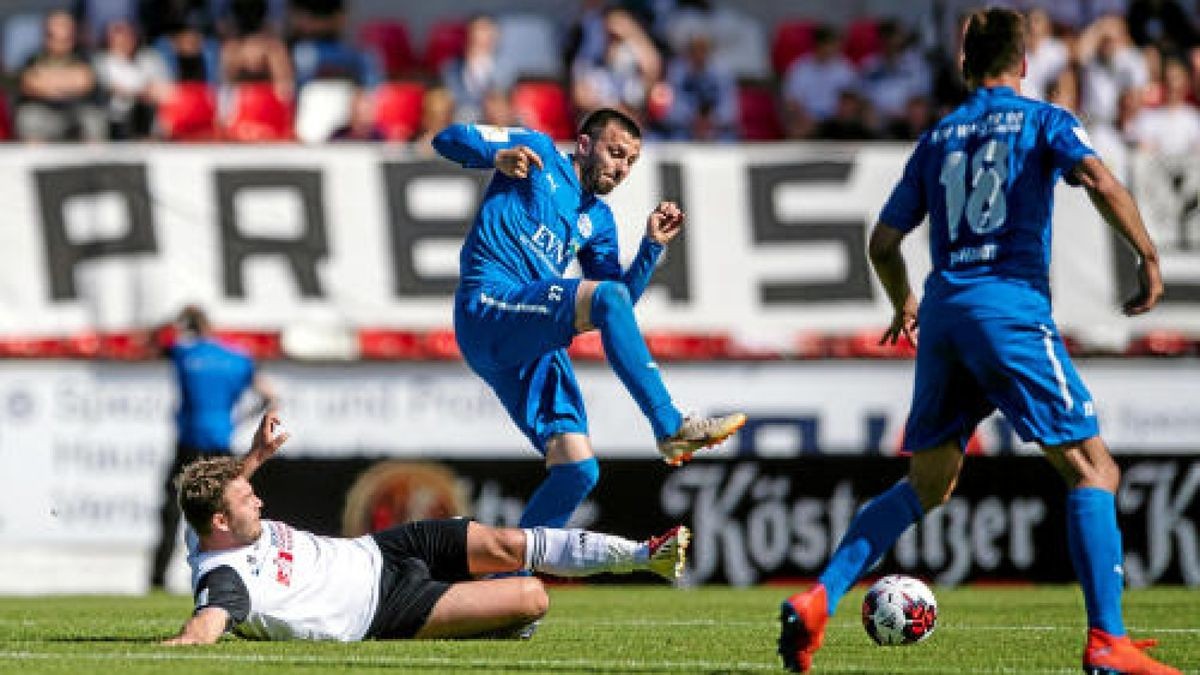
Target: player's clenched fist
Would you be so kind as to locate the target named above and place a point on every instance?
(515, 162)
(664, 222)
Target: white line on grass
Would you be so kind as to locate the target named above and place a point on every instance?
(540, 664)
(841, 624)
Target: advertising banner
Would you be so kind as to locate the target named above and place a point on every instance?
(772, 520)
(334, 238)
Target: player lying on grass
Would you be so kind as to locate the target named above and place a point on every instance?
(263, 579)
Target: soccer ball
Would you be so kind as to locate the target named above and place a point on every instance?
(899, 610)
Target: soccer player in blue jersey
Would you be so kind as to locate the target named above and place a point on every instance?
(985, 176)
(211, 378)
(515, 313)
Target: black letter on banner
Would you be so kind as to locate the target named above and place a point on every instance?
(407, 230)
(302, 253)
(672, 271)
(768, 229)
(57, 186)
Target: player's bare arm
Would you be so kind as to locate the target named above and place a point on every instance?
(1119, 210)
(888, 262)
(268, 438)
(515, 162)
(664, 222)
(204, 628)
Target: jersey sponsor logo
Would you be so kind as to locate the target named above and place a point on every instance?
(548, 244)
(492, 133)
(1002, 122)
(584, 225)
(283, 567)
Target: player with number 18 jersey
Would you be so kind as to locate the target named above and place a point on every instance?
(985, 175)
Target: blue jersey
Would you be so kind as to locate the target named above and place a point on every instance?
(985, 175)
(211, 377)
(531, 229)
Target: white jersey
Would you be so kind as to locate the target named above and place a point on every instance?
(291, 584)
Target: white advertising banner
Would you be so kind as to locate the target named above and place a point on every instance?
(118, 237)
(83, 446)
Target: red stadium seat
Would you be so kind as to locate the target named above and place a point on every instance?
(792, 40)
(6, 130)
(862, 40)
(446, 41)
(259, 115)
(543, 105)
(258, 344)
(189, 113)
(758, 113)
(398, 109)
(388, 41)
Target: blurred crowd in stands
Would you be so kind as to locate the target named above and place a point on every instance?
(700, 70)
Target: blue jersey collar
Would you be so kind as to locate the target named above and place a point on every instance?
(995, 91)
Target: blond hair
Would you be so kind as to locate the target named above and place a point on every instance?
(202, 490)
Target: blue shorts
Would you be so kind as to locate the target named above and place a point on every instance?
(968, 366)
(515, 338)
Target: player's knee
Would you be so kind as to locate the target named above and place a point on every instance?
(535, 602)
(609, 298)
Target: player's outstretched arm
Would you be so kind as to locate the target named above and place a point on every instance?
(204, 628)
(888, 262)
(1120, 211)
(474, 146)
(268, 438)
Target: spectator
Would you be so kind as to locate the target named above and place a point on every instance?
(133, 79)
(1115, 141)
(361, 125)
(850, 122)
(587, 37)
(94, 17)
(253, 54)
(704, 104)
(1046, 56)
(479, 70)
(437, 113)
(498, 109)
(892, 77)
(918, 116)
(188, 53)
(630, 67)
(320, 20)
(1161, 23)
(813, 82)
(1174, 128)
(162, 18)
(58, 89)
(1110, 65)
(1063, 91)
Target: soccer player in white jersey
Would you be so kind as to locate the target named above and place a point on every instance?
(263, 579)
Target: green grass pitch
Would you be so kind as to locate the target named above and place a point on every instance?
(610, 629)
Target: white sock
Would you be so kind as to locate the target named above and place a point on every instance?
(577, 553)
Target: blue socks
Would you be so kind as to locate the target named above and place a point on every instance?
(872, 532)
(1094, 541)
(612, 313)
(564, 489)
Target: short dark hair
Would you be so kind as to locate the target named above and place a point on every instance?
(994, 43)
(202, 490)
(597, 120)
